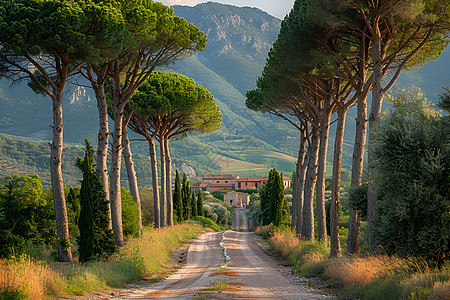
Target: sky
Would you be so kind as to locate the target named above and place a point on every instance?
(278, 8)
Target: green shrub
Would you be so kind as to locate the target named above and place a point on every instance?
(208, 223)
(130, 214)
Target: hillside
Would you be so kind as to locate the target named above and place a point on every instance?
(239, 39)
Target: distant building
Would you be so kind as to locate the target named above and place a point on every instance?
(236, 199)
(252, 182)
(215, 182)
(220, 181)
(204, 187)
(249, 182)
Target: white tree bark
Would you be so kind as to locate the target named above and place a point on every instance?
(131, 174)
(335, 243)
(310, 183)
(102, 144)
(154, 165)
(59, 199)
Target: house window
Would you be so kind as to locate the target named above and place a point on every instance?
(218, 181)
(226, 181)
(239, 185)
(256, 185)
(231, 202)
(246, 184)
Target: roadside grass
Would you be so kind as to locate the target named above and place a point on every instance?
(218, 286)
(148, 257)
(364, 277)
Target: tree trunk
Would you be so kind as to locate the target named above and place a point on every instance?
(102, 143)
(310, 183)
(374, 118)
(116, 160)
(335, 243)
(168, 183)
(301, 194)
(296, 182)
(163, 182)
(59, 199)
(131, 174)
(154, 164)
(321, 174)
(354, 231)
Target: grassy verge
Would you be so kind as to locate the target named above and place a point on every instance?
(370, 277)
(148, 257)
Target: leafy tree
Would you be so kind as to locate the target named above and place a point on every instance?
(357, 198)
(21, 210)
(412, 157)
(200, 204)
(73, 203)
(156, 38)
(444, 102)
(111, 35)
(39, 40)
(95, 238)
(168, 106)
(130, 214)
(177, 199)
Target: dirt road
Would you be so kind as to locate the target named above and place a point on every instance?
(229, 265)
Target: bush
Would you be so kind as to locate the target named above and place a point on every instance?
(208, 223)
(130, 214)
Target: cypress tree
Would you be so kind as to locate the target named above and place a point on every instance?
(194, 205)
(186, 198)
(266, 200)
(277, 198)
(74, 202)
(95, 238)
(177, 200)
(200, 204)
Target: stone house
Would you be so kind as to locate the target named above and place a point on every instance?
(236, 199)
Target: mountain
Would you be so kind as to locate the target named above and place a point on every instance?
(248, 144)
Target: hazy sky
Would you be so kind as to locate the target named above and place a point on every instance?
(277, 8)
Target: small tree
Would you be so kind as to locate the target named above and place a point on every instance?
(280, 208)
(177, 200)
(200, 204)
(95, 237)
(194, 205)
(186, 198)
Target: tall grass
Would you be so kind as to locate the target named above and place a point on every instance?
(148, 257)
(370, 277)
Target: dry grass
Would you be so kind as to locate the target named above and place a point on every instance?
(441, 291)
(434, 284)
(285, 242)
(148, 256)
(33, 279)
(362, 270)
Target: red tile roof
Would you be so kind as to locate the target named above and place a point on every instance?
(218, 176)
(200, 185)
(253, 179)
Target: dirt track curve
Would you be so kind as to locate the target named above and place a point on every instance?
(249, 273)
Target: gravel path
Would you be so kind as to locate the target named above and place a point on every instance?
(234, 260)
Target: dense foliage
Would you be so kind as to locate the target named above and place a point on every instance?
(177, 199)
(274, 206)
(130, 214)
(412, 175)
(96, 239)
